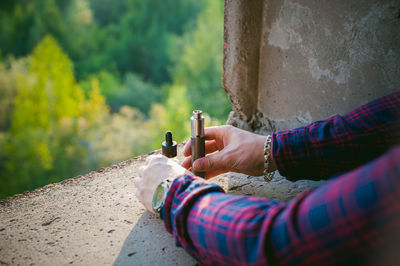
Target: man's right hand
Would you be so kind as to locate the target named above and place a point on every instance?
(229, 149)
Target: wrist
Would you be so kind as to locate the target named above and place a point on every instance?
(160, 195)
(161, 191)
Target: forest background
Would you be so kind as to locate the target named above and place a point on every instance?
(88, 83)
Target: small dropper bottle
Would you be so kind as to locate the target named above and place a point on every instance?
(168, 147)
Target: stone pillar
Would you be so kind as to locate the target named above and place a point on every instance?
(307, 60)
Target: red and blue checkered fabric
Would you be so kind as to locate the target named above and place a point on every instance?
(353, 218)
(340, 143)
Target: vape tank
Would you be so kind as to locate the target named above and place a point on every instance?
(197, 139)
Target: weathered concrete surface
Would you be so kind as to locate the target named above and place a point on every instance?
(96, 220)
(311, 59)
(242, 53)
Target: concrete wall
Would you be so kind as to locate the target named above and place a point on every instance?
(290, 62)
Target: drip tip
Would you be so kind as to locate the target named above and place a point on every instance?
(197, 114)
(168, 138)
(168, 147)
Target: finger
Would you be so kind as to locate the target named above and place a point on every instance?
(137, 181)
(141, 171)
(186, 150)
(187, 162)
(214, 132)
(137, 194)
(210, 162)
(216, 172)
(148, 159)
(155, 157)
(211, 146)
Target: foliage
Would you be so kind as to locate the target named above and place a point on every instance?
(120, 136)
(8, 76)
(175, 116)
(125, 36)
(133, 91)
(198, 67)
(48, 123)
(86, 83)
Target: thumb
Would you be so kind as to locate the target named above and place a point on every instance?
(210, 162)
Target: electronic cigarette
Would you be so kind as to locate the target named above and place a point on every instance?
(168, 147)
(197, 139)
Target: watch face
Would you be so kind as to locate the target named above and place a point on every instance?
(159, 196)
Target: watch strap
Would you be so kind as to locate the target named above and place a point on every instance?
(166, 183)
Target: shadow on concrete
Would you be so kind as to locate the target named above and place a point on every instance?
(149, 243)
(278, 189)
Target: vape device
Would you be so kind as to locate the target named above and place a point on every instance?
(197, 139)
(168, 147)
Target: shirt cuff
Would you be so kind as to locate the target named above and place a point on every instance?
(184, 192)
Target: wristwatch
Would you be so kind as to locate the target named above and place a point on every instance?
(160, 194)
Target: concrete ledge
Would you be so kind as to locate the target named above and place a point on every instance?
(96, 219)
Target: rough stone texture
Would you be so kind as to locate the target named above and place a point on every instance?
(96, 220)
(311, 59)
(241, 54)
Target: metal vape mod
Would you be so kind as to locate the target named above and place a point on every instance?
(197, 139)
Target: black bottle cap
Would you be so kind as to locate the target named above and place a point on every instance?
(169, 146)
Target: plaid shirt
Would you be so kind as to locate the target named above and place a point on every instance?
(353, 218)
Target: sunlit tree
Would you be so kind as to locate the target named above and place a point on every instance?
(86, 83)
(198, 62)
(46, 141)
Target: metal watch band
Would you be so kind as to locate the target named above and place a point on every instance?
(268, 176)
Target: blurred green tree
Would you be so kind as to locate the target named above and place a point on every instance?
(109, 84)
(141, 43)
(133, 91)
(197, 58)
(24, 23)
(174, 116)
(44, 142)
(120, 136)
(137, 93)
(149, 62)
(8, 89)
(125, 36)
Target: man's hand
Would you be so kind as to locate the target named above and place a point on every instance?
(157, 168)
(230, 149)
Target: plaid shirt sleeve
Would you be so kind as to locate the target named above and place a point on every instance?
(351, 219)
(340, 143)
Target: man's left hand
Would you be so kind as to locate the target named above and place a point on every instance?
(157, 169)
